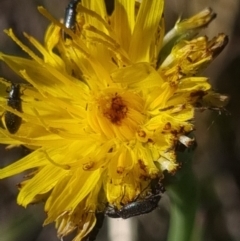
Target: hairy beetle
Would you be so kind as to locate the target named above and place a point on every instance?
(70, 16)
(139, 206)
(11, 120)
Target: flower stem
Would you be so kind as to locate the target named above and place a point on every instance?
(183, 194)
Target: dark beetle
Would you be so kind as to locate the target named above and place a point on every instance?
(93, 234)
(137, 207)
(70, 16)
(12, 121)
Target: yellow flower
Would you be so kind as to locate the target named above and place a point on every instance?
(106, 107)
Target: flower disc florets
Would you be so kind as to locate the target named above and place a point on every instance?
(105, 107)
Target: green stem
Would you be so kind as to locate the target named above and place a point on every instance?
(183, 193)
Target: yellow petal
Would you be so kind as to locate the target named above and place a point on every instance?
(148, 19)
(124, 16)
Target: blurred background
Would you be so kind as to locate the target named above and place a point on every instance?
(216, 159)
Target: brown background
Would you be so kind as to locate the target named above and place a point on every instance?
(217, 158)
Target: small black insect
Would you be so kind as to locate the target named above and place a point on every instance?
(93, 234)
(137, 207)
(12, 121)
(70, 16)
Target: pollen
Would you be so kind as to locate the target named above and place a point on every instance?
(116, 110)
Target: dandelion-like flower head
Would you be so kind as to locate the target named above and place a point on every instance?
(106, 106)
